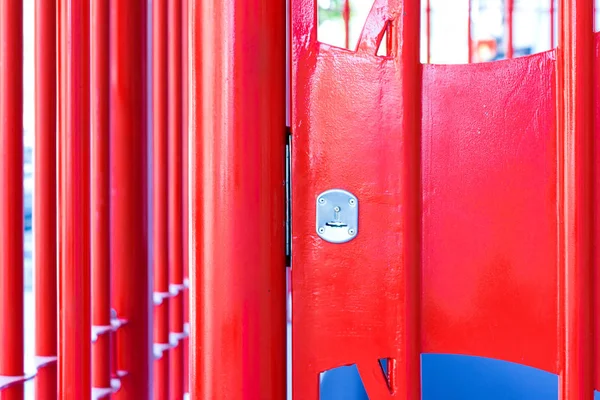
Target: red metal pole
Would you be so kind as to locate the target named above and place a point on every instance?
(575, 130)
(238, 215)
(128, 206)
(552, 34)
(160, 193)
(101, 356)
(509, 28)
(74, 345)
(11, 195)
(175, 193)
(346, 16)
(408, 366)
(428, 22)
(185, 157)
(45, 198)
(470, 33)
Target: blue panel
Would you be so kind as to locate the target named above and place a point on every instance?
(454, 377)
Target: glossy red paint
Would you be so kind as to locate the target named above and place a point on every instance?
(237, 232)
(160, 231)
(500, 164)
(100, 223)
(185, 26)
(74, 295)
(175, 193)
(575, 134)
(11, 195)
(128, 204)
(357, 302)
(45, 197)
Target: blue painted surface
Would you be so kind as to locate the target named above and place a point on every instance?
(454, 377)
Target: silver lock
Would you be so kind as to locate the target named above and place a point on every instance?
(337, 216)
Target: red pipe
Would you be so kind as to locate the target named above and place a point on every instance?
(428, 22)
(575, 68)
(408, 365)
(175, 192)
(552, 28)
(185, 177)
(509, 36)
(160, 192)
(45, 196)
(470, 33)
(11, 194)
(74, 343)
(346, 17)
(238, 200)
(128, 206)
(101, 356)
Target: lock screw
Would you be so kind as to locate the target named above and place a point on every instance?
(351, 232)
(352, 202)
(337, 209)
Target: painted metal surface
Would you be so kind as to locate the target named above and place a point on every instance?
(100, 190)
(46, 332)
(160, 231)
(500, 164)
(74, 295)
(175, 194)
(130, 295)
(11, 197)
(238, 200)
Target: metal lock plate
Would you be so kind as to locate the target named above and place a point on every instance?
(337, 216)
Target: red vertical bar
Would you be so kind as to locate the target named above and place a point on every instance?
(45, 195)
(175, 192)
(575, 72)
(346, 16)
(470, 33)
(11, 194)
(428, 22)
(408, 364)
(74, 345)
(509, 28)
(238, 196)
(185, 157)
(128, 207)
(552, 28)
(100, 223)
(160, 192)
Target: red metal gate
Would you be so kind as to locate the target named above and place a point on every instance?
(476, 214)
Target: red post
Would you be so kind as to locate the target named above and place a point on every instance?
(160, 193)
(509, 28)
(128, 205)
(428, 22)
(175, 191)
(575, 129)
(74, 342)
(552, 28)
(408, 364)
(11, 194)
(185, 176)
(470, 33)
(346, 17)
(238, 216)
(100, 224)
(45, 197)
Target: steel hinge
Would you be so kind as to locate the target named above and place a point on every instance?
(288, 199)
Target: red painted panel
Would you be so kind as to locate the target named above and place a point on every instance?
(489, 210)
